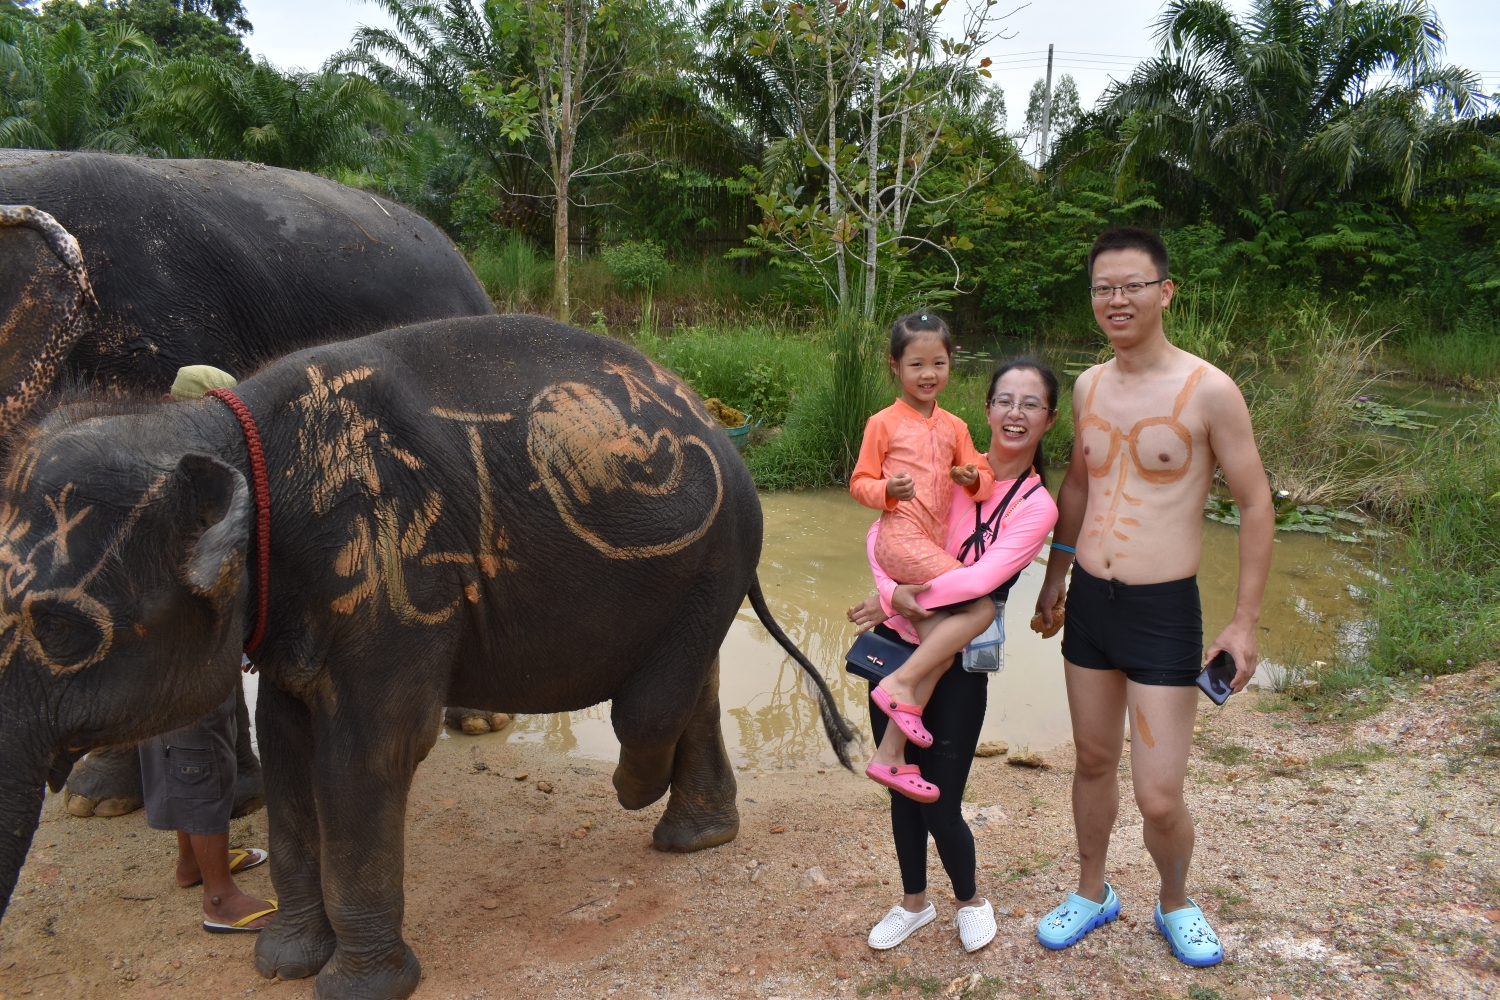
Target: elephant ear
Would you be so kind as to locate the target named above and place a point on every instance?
(216, 506)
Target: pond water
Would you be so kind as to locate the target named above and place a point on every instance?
(813, 567)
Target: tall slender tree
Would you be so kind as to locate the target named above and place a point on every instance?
(871, 95)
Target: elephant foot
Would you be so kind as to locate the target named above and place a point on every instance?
(106, 783)
(393, 980)
(249, 792)
(474, 721)
(694, 826)
(284, 951)
(83, 807)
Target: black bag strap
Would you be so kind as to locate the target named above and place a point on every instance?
(975, 542)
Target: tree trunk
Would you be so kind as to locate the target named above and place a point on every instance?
(834, 207)
(563, 168)
(561, 305)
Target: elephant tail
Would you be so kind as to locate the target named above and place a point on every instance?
(840, 734)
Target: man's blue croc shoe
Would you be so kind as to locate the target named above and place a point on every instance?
(1192, 940)
(1067, 924)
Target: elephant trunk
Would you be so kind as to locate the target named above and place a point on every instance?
(26, 757)
(45, 297)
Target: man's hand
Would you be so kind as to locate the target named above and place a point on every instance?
(867, 614)
(902, 486)
(1049, 616)
(1051, 600)
(965, 475)
(1239, 639)
(904, 601)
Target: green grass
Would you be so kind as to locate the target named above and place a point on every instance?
(1350, 758)
(1230, 754)
(515, 275)
(1441, 611)
(1468, 355)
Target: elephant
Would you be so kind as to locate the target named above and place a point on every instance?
(502, 512)
(117, 270)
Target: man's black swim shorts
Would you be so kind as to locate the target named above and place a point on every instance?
(1151, 632)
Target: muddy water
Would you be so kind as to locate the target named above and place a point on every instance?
(813, 567)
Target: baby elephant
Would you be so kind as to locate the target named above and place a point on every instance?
(499, 512)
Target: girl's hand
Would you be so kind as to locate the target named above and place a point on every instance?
(902, 486)
(964, 475)
(867, 614)
(904, 601)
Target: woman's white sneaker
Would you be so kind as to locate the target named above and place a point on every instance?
(976, 925)
(900, 923)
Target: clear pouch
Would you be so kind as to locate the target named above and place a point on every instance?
(986, 654)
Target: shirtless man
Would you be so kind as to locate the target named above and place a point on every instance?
(1151, 425)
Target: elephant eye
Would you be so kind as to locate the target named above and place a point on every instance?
(67, 636)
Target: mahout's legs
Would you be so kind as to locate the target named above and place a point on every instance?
(1096, 702)
(1161, 722)
(701, 812)
(300, 940)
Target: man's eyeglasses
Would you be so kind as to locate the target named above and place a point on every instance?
(1133, 288)
(1026, 406)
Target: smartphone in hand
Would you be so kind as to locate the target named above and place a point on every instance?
(1217, 678)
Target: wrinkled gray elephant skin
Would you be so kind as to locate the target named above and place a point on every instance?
(501, 512)
(117, 270)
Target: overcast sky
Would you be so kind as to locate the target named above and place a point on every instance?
(1095, 40)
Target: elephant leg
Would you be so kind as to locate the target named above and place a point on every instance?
(651, 711)
(106, 783)
(702, 811)
(249, 788)
(299, 941)
(366, 756)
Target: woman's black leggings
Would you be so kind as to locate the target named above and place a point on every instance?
(954, 716)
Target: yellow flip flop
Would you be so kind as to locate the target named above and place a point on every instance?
(238, 927)
(240, 860)
(243, 859)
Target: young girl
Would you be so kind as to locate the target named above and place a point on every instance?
(912, 452)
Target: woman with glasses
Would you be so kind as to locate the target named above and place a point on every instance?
(994, 540)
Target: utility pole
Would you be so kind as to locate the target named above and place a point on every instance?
(1041, 153)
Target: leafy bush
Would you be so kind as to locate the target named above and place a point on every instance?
(751, 370)
(637, 265)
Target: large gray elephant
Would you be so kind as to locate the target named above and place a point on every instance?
(118, 270)
(502, 512)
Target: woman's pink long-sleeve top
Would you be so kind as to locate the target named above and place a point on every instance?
(1022, 531)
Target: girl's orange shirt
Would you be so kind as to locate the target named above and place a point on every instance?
(899, 439)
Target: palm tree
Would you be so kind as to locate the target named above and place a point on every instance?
(305, 121)
(72, 89)
(1295, 101)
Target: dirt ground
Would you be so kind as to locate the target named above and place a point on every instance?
(1334, 861)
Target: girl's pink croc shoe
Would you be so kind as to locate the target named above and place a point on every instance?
(904, 778)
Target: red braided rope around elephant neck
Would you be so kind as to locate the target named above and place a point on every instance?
(262, 508)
